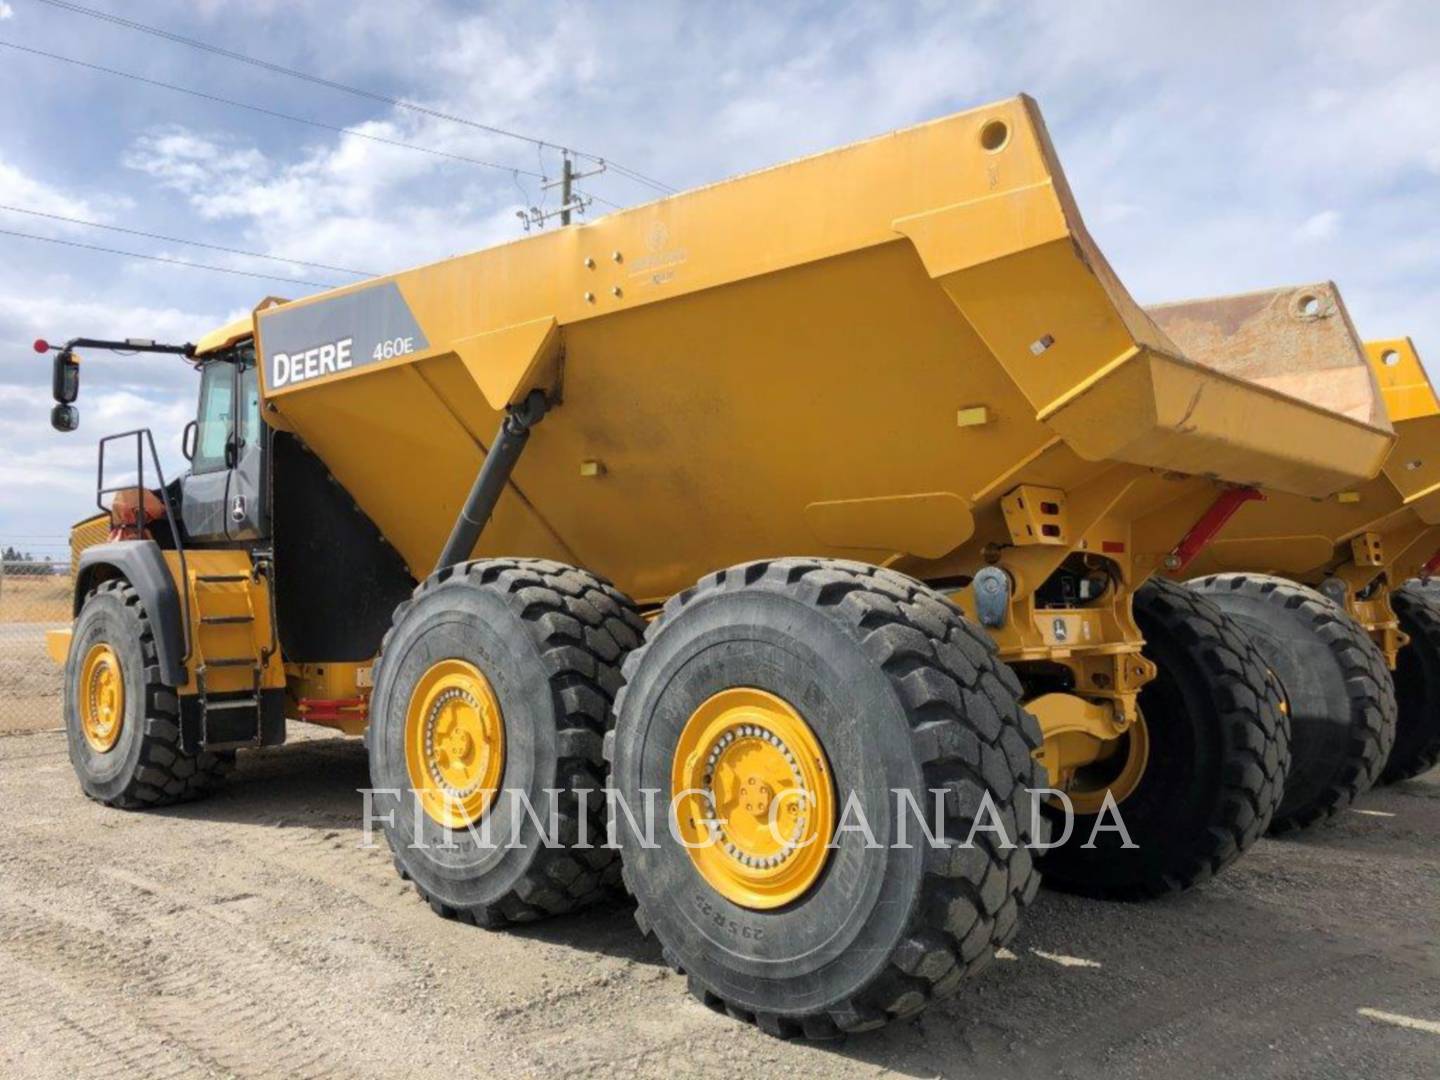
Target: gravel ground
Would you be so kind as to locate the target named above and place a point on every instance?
(251, 935)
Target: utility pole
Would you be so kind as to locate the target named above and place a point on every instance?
(571, 201)
(567, 177)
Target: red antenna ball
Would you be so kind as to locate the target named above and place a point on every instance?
(41, 345)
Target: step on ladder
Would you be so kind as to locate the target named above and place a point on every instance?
(227, 723)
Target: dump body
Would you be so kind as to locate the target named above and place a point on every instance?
(1372, 535)
(856, 354)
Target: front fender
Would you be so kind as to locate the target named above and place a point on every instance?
(140, 563)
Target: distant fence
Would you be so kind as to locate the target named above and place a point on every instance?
(34, 597)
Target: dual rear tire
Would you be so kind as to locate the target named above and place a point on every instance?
(1218, 748)
(1340, 695)
(781, 707)
(1417, 684)
(854, 706)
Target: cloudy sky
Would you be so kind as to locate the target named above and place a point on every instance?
(1213, 148)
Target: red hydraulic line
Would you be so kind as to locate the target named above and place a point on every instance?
(331, 708)
(1209, 525)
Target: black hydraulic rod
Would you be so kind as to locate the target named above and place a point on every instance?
(490, 481)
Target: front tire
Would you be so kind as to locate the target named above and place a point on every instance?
(1341, 696)
(1218, 749)
(122, 723)
(885, 686)
(492, 693)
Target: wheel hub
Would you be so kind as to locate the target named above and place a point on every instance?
(758, 801)
(455, 743)
(1118, 770)
(102, 698)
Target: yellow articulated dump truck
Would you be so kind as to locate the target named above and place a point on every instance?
(792, 505)
(1291, 569)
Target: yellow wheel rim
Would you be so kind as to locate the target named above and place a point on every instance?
(454, 743)
(1118, 771)
(755, 800)
(102, 698)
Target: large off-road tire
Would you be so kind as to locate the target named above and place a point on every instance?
(547, 641)
(122, 722)
(897, 691)
(1417, 684)
(1340, 694)
(1218, 748)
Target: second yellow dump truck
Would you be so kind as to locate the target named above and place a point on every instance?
(812, 506)
(1321, 583)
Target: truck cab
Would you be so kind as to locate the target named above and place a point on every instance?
(175, 595)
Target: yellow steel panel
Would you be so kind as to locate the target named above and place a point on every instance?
(810, 334)
(225, 598)
(1036, 515)
(1402, 378)
(1368, 549)
(928, 525)
(226, 336)
(966, 235)
(57, 645)
(504, 363)
(1389, 525)
(1297, 340)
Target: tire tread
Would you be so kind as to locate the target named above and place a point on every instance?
(583, 626)
(968, 906)
(1368, 688)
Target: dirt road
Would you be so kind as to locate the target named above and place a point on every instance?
(249, 935)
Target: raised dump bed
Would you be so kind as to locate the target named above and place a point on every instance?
(1358, 548)
(833, 393)
(856, 354)
(1369, 536)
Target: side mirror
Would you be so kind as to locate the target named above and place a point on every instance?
(65, 418)
(187, 440)
(65, 380)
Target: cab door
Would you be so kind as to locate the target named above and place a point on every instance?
(247, 516)
(203, 505)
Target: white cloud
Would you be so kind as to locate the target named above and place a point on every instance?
(189, 163)
(6, 11)
(18, 188)
(348, 204)
(47, 479)
(1319, 226)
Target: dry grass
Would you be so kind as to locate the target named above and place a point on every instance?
(29, 680)
(25, 598)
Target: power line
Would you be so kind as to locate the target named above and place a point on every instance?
(268, 112)
(398, 103)
(164, 259)
(182, 240)
(602, 201)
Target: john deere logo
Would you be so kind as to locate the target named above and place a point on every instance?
(302, 342)
(1060, 629)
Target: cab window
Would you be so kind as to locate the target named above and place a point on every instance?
(217, 396)
(249, 433)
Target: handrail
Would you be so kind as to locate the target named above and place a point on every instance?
(143, 438)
